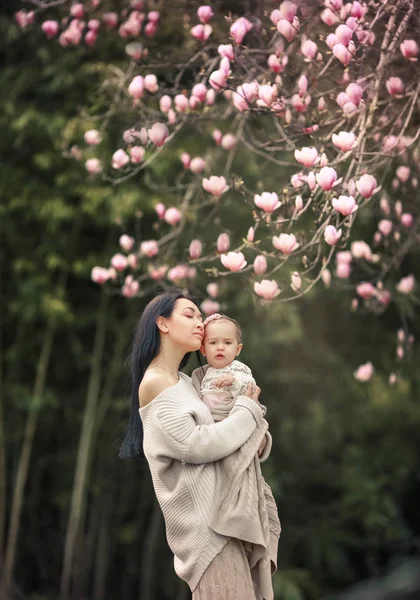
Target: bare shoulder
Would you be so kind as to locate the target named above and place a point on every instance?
(151, 386)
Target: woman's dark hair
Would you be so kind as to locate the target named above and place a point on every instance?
(146, 345)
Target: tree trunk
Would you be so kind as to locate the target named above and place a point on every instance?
(150, 554)
(2, 459)
(83, 454)
(25, 456)
(103, 549)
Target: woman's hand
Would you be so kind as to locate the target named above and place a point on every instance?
(224, 380)
(252, 391)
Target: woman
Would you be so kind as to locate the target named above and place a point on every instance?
(181, 443)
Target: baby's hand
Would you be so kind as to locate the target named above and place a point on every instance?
(224, 380)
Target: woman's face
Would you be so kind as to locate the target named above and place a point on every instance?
(185, 326)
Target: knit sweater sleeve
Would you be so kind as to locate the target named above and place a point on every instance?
(183, 439)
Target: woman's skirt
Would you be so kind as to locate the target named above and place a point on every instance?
(228, 576)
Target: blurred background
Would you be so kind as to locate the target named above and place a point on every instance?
(75, 521)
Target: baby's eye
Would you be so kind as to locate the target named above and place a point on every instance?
(212, 343)
(228, 343)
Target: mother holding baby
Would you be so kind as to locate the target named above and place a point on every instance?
(221, 554)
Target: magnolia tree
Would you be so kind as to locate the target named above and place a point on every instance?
(321, 97)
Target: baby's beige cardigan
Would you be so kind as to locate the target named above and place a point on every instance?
(181, 442)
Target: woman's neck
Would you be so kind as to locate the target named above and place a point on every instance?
(168, 359)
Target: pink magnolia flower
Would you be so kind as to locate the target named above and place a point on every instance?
(267, 94)
(365, 290)
(260, 265)
(268, 289)
(332, 40)
(158, 134)
(160, 209)
(216, 186)
(285, 243)
(234, 261)
(309, 49)
(132, 261)
(212, 289)
(395, 86)
(151, 83)
(366, 185)
(119, 262)
(130, 287)
(157, 273)
(287, 10)
(239, 29)
(126, 242)
(94, 24)
(205, 13)
(406, 284)
(344, 140)
(287, 29)
(77, 10)
(150, 29)
(342, 53)
(343, 270)
(50, 28)
(137, 154)
(153, 16)
(223, 243)
(119, 159)
(344, 257)
(202, 32)
(250, 236)
(149, 248)
(173, 216)
(217, 136)
(361, 249)
(364, 372)
(99, 275)
(93, 137)
(307, 156)
(210, 307)
(409, 49)
(165, 103)
(329, 18)
(345, 205)
(181, 103)
(23, 18)
(344, 34)
(136, 87)
(199, 91)
(298, 203)
(229, 141)
(218, 80)
(327, 178)
(274, 63)
(385, 227)
(93, 165)
(403, 173)
(195, 249)
(186, 160)
(90, 37)
(268, 202)
(197, 165)
(407, 219)
(354, 92)
(331, 235)
(226, 51)
(110, 19)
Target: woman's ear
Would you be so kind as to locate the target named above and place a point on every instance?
(162, 326)
(240, 346)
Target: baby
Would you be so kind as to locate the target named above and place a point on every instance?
(244, 505)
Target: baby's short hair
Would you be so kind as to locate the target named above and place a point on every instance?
(218, 317)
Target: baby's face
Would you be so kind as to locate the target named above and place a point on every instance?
(220, 344)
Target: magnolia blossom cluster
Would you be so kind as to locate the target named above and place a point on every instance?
(80, 25)
(339, 108)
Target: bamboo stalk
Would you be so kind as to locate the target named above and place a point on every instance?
(25, 456)
(83, 454)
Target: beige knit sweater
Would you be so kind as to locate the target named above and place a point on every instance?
(181, 443)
